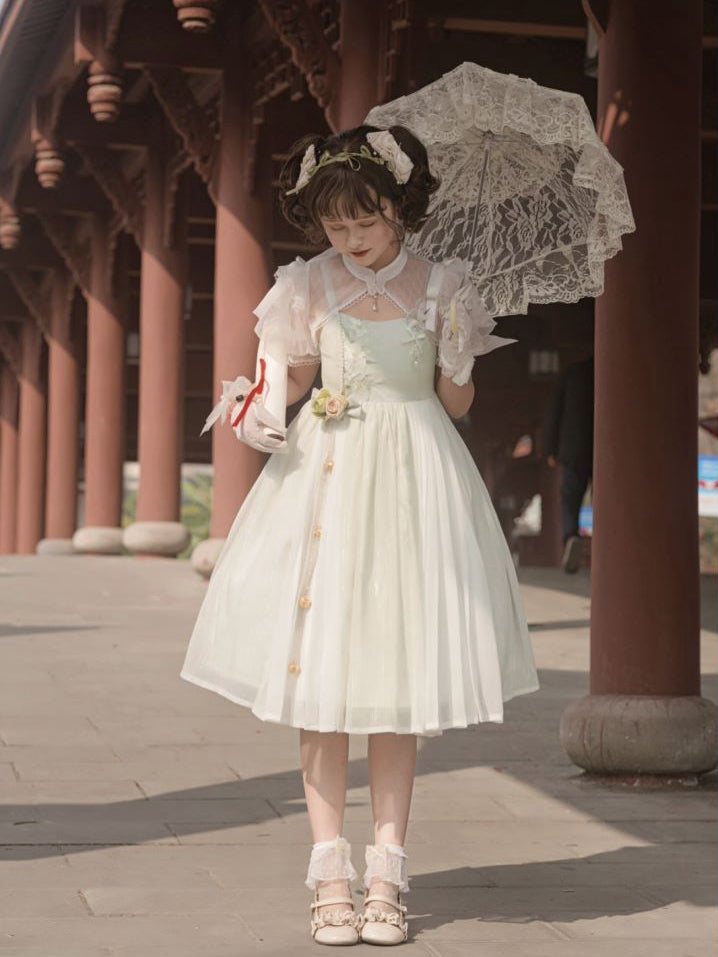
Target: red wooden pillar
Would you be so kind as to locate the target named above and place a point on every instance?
(104, 406)
(359, 75)
(242, 277)
(31, 441)
(644, 712)
(8, 459)
(63, 424)
(157, 529)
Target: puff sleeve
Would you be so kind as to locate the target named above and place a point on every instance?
(460, 323)
(257, 410)
(283, 317)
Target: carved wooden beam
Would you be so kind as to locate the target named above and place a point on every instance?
(189, 120)
(48, 301)
(300, 29)
(37, 299)
(75, 255)
(176, 165)
(114, 12)
(10, 349)
(104, 166)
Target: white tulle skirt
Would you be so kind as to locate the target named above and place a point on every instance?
(366, 584)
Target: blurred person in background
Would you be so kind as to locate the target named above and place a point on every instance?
(568, 442)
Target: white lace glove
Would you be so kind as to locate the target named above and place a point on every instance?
(246, 403)
(258, 427)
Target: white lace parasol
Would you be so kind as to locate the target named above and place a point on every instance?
(529, 194)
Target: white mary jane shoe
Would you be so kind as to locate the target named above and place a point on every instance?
(377, 926)
(339, 927)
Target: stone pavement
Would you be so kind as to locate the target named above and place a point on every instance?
(141, 815)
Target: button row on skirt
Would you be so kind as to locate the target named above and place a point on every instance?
(305, 601)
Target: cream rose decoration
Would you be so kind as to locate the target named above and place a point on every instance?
(335, 406)
(396, 159)
(329, 405)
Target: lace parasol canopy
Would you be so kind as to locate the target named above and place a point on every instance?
(530, 197)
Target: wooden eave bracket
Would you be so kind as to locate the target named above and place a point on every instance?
(49, 300)
(75, 255)
(121, 193)
(10, 349)
(299, 28)
(187, 117)
(37, 299)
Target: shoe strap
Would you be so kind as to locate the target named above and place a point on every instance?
(387, 900)
(331, 900)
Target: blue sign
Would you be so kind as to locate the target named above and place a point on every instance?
(708, 485)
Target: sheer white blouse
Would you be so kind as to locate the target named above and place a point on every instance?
(306, 294)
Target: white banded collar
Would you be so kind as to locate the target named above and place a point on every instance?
(376, 280)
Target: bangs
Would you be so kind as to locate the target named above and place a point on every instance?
(339, 192)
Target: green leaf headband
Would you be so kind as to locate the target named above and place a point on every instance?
(387, 152)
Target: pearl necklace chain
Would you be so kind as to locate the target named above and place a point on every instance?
(370, 295)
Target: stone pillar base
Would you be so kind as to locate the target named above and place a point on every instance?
(156, 538)
(98, 540)
(640, 734)
(205, 555)
(55, 546)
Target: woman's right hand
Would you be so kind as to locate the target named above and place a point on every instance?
(259, 428)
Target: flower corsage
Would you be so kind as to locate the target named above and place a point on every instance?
(333, 405)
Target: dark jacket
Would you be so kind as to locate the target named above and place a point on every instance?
(568, 419)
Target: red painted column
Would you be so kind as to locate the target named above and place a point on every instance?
(8, 459)
(31, 441)
(359, 76)
(104, 405)
(157, 529)
(645, 713)
(63, 423)
(242, 277)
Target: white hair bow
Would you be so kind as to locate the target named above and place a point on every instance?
(386, 146)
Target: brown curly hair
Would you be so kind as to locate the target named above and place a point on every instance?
(338, 189)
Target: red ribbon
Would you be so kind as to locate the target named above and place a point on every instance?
(256, 390)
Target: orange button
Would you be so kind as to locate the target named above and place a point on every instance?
(305, 601)
(294, 667)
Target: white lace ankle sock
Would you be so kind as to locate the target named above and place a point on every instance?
(329, 861)
(386, 862)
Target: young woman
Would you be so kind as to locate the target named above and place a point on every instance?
(365, 586)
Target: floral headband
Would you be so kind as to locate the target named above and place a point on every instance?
(386, 152)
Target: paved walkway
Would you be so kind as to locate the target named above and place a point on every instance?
(143, 816)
